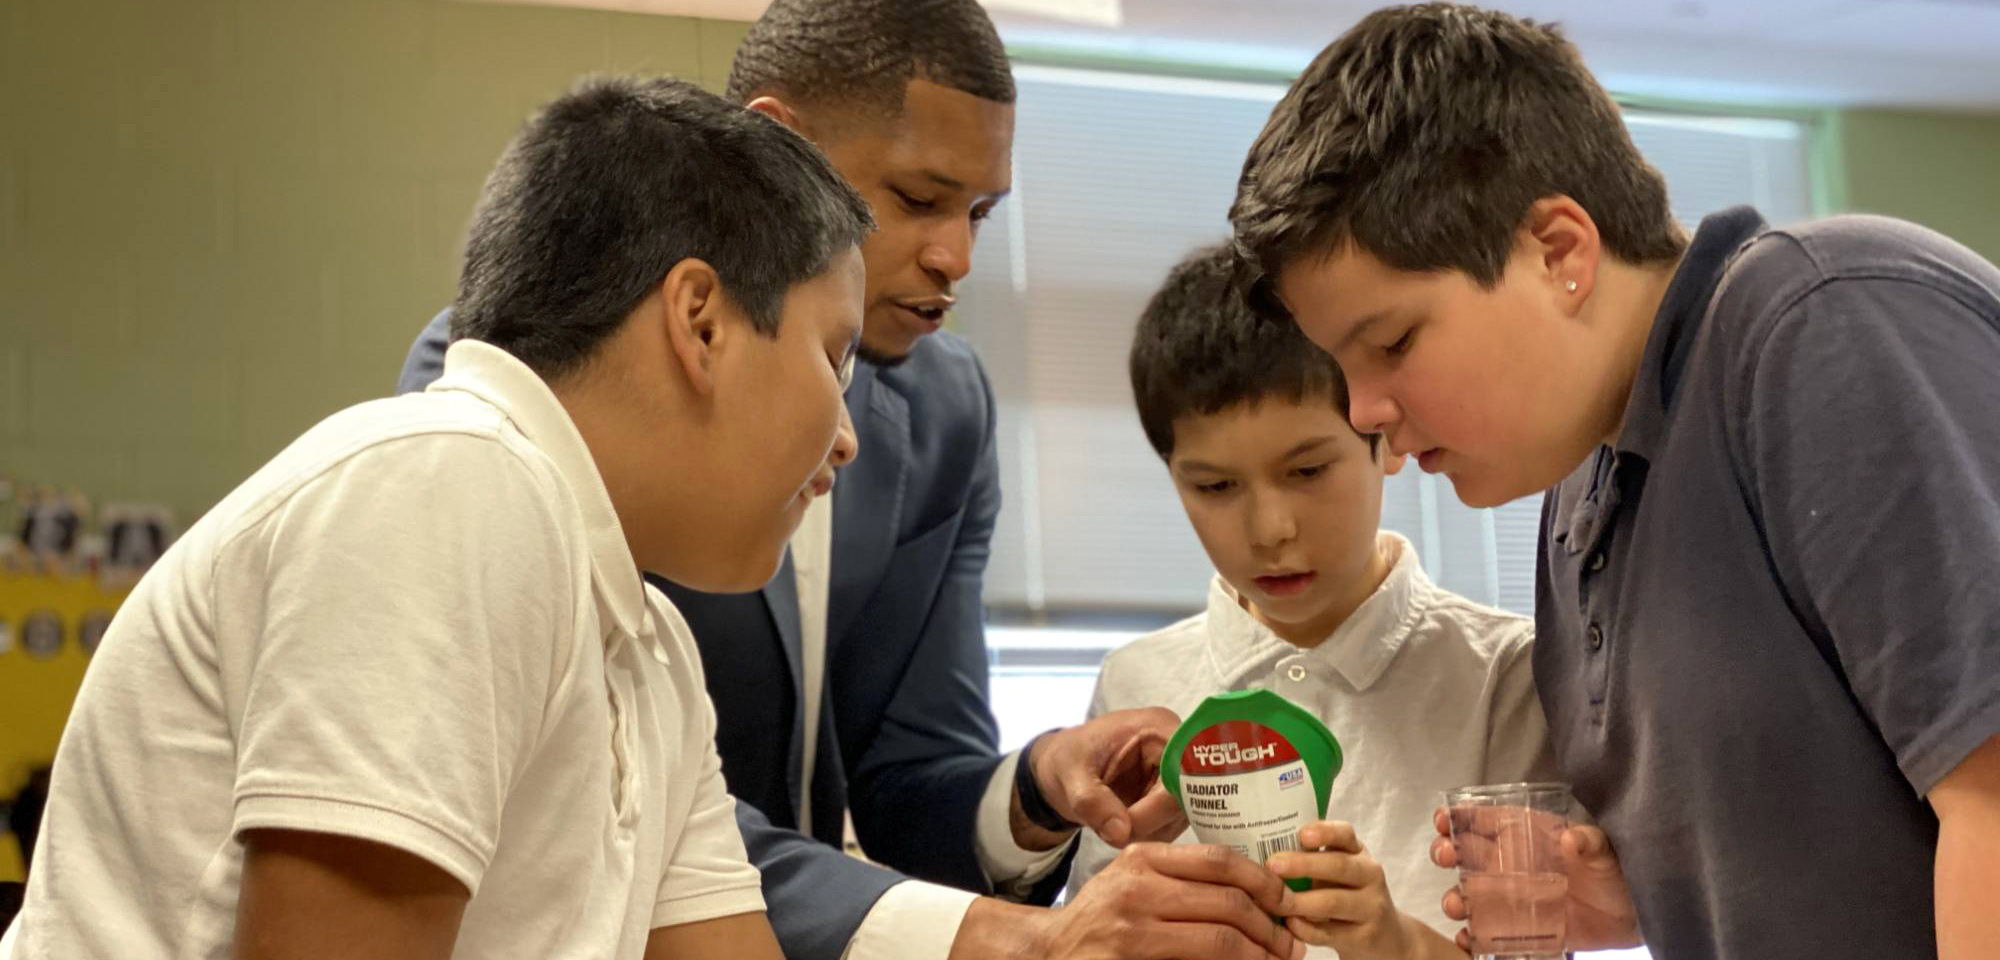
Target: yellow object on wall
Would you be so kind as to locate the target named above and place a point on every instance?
(38, 683)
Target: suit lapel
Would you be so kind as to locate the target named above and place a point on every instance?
(782, 596)
(867, 499)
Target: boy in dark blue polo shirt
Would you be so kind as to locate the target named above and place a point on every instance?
(1769, 628)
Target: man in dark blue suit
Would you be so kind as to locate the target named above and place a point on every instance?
(856, 681)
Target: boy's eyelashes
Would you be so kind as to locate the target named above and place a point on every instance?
(843, 369)
(1311, 471)
(1402, 344)
(842, 359)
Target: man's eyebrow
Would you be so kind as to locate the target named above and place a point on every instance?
(941, 180)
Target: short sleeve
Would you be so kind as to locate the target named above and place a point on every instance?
(1872, 452)
(396, 626)
(1517, 733)
(708, 875)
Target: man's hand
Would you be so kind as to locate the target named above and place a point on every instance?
(1105, 775)
(1601, 914)
(1349, 907)
(1155, 902)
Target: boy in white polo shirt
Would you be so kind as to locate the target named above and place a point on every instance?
(1425, 689)
(403, 693)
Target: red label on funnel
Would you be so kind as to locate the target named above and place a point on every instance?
(1236, 746)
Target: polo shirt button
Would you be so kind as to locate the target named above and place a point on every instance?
(1297, 673)
(1597, 561)
(1596, 637)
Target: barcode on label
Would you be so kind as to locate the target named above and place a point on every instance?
(1273, 845)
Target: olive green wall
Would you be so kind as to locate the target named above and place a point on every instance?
(1939, 169)
(221, 220)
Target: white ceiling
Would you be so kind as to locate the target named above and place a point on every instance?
(1921, 53)
(1927, 53)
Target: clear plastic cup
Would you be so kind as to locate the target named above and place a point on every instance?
(1508, 838)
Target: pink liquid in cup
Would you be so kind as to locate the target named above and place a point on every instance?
(1516, 915)
(1508, 838)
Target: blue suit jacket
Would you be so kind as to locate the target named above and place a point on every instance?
(906, 736)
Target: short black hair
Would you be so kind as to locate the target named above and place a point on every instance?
(858, 56)
(611, 185)
(1201, 349)
(1423, 135)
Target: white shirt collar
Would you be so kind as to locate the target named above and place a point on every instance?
(1359, 649)
(501, 379)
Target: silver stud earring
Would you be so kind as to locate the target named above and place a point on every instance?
(1569, 285)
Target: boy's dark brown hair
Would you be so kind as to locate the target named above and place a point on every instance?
(1200, 349)
(1423, 135)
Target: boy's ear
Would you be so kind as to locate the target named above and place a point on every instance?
(780, 111)
(1568, 247)
(695, 311)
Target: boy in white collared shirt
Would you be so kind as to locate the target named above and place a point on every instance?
(403, 693)
(1425, 689)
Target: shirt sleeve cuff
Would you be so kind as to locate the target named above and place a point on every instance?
(709, 905)
(913, 920)
(432, 842)
(1011, 869)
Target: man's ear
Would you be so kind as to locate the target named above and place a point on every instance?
(780, 111)
(693, 303)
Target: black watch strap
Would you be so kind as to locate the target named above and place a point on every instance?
(1033, 805)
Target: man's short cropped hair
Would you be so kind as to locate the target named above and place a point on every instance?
(610, 186)
(858, 56)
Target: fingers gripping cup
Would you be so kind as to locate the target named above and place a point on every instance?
(1250, 769)
(1508, 839)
